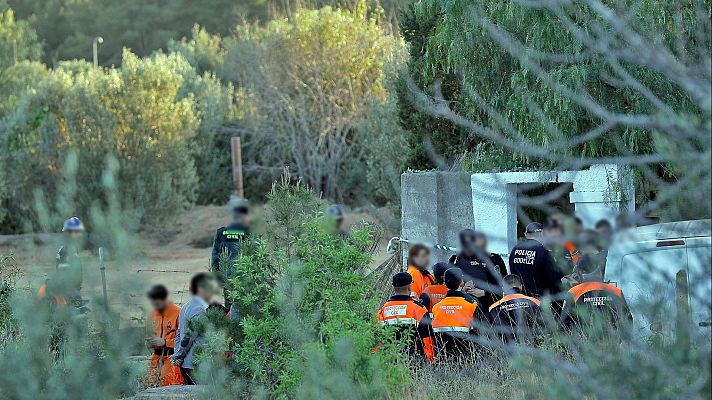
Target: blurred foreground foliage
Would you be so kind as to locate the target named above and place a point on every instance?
(58, 351)
(306, 329)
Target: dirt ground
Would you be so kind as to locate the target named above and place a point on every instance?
(167, 259)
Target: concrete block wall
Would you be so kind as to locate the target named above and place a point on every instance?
(436, 206)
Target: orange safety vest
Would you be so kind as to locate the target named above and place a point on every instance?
(165, 326)
(421, 280)
(406, 313)
(58, 300)
(583, 288)
(436, 293)
(512, 297)
(401, 312)
(166, 323)
(573, 251)
(453, 314)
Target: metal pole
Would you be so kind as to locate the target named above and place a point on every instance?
(97, 41)
(102, 268)
(237, 166)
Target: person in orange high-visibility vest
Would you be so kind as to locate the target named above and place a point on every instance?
(409, 316)
(434, 293)
(164, 318)
(515, 316)
(57, 299)
(418, 261)
(456, 317)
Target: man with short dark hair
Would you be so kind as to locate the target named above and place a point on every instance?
(434, 293)
(533, 263)
(456, 316)
(164, 320)
(605, 235)
(515, 316)
(409, 316)
(190, 335)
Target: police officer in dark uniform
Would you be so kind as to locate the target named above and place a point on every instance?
(533, 263)
(68, 263)
(480, 278)
(228, 239)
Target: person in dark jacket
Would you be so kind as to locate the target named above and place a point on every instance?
(480, 268)
(595, 308)
(533, 263)
(497, 261)
(515, 316)
(227, 242)
(68, 262)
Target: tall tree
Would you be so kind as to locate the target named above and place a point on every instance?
(530, 89)
(307, 82)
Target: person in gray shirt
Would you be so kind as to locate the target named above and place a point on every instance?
(190, 336)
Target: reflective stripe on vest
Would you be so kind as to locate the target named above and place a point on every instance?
(583, 288)
(512, 297)
(451, 329)
(453, 312)
(401, 312)
(400, 321)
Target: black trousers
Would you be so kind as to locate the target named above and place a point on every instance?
(187, 376)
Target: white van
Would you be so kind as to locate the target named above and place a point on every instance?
(643, 263)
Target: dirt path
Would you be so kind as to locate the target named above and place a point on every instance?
(169, 259)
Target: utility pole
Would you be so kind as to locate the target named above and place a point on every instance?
(236, 149)
(97, 41)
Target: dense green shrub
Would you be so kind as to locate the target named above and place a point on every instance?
(57, 352)
(137, 114)
(307, 330)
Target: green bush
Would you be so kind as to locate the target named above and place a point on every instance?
(57, 352)
(9, 273)
(136, 113)
(307, 330)
(305, 84)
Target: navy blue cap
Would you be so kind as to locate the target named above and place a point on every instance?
(402, 279)
(534, 227)
(440, 268)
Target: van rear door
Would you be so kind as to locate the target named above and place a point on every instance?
(647, 279)
(699, 261)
